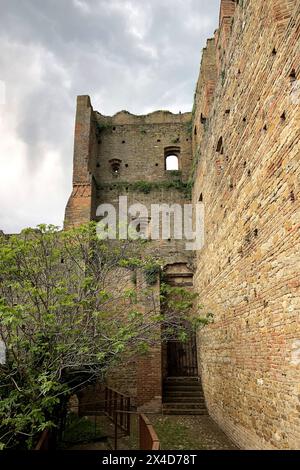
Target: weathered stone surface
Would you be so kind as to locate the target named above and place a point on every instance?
(248, 272)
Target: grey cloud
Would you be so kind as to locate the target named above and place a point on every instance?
(127, 54)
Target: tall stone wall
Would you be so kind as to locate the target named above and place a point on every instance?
(247, 172)
(81, 204)
(125, 155)
(244, 160)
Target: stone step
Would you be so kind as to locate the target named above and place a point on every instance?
(183, 405)
(179, 411)
(182, 388)
(183, 393)
(182, 379)
(178, 384)
(185, 399)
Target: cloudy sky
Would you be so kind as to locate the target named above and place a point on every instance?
(138, 55)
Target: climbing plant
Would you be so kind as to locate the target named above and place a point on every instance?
(146, 187)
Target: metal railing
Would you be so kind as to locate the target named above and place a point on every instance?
(117, 406)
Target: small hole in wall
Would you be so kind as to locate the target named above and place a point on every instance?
(156, 164)
(195, 130)
(127, 189)
(62, 261)
(187, 140)
(123, 142)
(227, 111)
(114, 128)
(239, 71)
(245, 164)
(274, 52)
(158, 140)
(249, 173)
(283, 116)
(256, 232)
(292, 196)
(229, 260)
(266, 303)
(98, 165)
(203, 119)
(244, 119)
(126, 165)
(201, 198)
(219, 148)
(293, 75)
(265, 128)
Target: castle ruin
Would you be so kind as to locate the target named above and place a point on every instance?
(239, 150)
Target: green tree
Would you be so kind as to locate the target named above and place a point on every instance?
(69, 310)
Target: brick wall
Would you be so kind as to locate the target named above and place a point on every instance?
(245, 151)
(140, 145)
(248, 272)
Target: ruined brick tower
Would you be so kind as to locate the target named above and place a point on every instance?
(128, 155)
(242, 154)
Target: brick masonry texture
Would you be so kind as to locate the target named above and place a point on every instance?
(140, 145)
(243, 156)
(247, 274)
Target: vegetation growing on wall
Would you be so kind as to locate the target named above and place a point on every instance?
(151, 272)
(185, 303)
(146, 187)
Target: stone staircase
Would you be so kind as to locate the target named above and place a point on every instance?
(183, 396)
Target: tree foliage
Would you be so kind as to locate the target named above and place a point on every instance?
(68, 312)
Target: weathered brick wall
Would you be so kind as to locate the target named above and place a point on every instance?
(81, 205)
(141, 144)
(248, 174)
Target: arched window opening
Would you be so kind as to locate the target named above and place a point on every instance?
(172, 163)
(172, 158)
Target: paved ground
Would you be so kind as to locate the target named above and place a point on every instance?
(190, 433)
(174, 432)
(90, 446)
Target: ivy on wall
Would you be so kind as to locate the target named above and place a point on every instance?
(146, 187)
